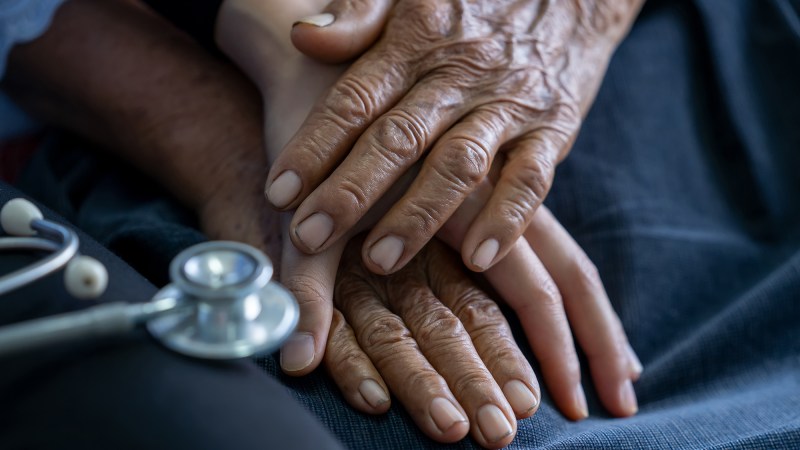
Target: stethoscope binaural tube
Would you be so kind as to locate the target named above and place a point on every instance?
(84, 277)
(221, 303)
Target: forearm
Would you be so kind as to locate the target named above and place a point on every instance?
(114, 72)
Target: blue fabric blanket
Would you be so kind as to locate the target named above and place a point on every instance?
(682, 187)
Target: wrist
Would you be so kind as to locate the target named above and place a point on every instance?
(142, 90)
(255, 36)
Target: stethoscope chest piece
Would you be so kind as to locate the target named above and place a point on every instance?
(226, 306)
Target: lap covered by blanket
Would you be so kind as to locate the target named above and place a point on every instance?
(683, 189)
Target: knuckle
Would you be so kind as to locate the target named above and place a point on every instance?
(475, 64)
(547, 302)
(515, 214)
(530, 185)
(437, 326)
(307, 290)
(384, 334)
(315, 150)
(505, 360)
(358, 200)
(472, 380)
(425, 215)
(348, 356)
(566, 119)
(422, 382)
(350, 103)
(597, 18)
(464, 162)
(536, 175)
(586, 273)
(428, 21)
(355, 294)
(342, 348)
(551, 297)
(478, 312)
(400, 137)
(562, 122)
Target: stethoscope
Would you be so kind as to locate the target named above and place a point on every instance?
(221, 303)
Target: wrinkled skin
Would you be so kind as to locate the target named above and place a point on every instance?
(432, 337)
(455, 82)
(544, 277)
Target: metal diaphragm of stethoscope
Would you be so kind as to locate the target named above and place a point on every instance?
(221, 303)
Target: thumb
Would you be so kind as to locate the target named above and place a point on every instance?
(311, 278)
(344, 30)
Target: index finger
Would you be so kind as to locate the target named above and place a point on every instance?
(362, 94)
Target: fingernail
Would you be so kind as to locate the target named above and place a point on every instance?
(445, 415)
(318, 20)
(284, 189)
(315, 230)
(627, 397)
(373, 393)
(520, 397)
(580, 402)
(636, 365)
(386, 252)
(485, 253)
(493, 423)
(298, 352)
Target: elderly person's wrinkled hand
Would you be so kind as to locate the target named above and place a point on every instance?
(439, 344)
(454, 83)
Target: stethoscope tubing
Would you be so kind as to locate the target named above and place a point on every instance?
(108, 319)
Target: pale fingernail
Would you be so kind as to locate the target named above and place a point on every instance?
(318, 20)
(627, 397)
(520, 397)
(636, 365)
(485, 253)
(493, 423)
(445, 415)
(315, 230)
(579, 397)
(373, 393)
(298, 352)
(284, 189)
(387, 252)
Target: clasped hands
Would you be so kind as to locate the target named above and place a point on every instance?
(493, 93)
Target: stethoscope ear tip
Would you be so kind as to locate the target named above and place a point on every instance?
(85, 277)
(16, 217)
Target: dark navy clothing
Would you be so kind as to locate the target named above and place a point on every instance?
(682, 187)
